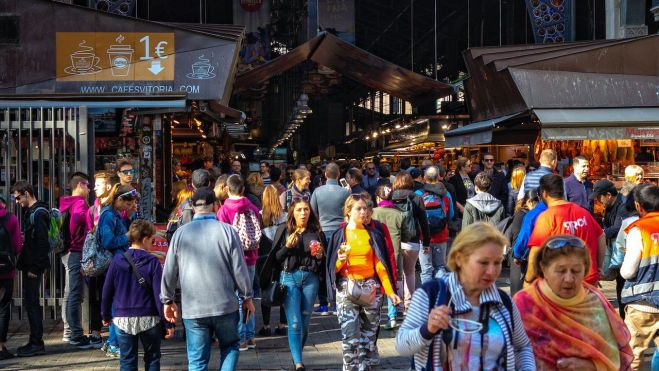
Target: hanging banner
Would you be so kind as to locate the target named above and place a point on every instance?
(551, 20)
(255, 16)
(334, 16)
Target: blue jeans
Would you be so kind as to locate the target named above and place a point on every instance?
(198, 340)
(129, 349)
(246, 331)
(302, 290)
(432, 261)
(73, 294)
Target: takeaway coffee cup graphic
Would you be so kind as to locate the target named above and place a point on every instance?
(83, 61)
(120, 57)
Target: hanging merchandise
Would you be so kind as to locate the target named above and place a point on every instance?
(550, 20)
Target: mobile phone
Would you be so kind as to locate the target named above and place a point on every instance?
(246, 315)
(343, 182)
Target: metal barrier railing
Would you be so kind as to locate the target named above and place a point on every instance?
(42, 145)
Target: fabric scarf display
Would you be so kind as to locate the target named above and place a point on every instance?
(550, 20)
(585, 326)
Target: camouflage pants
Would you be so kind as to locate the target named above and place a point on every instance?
(359, 326)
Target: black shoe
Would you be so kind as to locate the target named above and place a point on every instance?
(5, 354)
(29, 350)
(82, 342)
(281, 331)
(265, 331)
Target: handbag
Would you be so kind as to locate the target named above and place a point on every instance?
(274, 294)
(361, 292)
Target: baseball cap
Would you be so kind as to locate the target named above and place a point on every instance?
(203, 196)
(201, 178)
(603, 187)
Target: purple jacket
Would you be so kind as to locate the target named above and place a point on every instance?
(228, 212)
(122, 290)
(77, 207)
(14, 230)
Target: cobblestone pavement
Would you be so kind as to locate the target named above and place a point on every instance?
(323, 350)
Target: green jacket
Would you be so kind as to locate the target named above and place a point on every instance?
(393, 218)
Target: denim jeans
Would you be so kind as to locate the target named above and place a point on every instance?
(6, 291)
(198, 339)
(129, 349)
(73, 294)
(246, 331)
(302, 288)
(432, 261)
(33, 307)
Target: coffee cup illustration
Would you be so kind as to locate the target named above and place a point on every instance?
(120, 58)
(83, 61)
(202, 69)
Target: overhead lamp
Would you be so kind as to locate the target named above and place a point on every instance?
(367, 137)
(375, 134)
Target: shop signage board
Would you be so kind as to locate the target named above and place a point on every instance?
(136, 63)
(638, 133)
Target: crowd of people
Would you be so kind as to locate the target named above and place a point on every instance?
(354, 239)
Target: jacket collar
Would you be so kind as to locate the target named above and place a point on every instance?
(489, 296)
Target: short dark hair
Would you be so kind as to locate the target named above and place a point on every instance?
(123, 162)
(235, 184)
(275, 174)
(265, 163)
(483, 181)
(332, 171)
(405, 163)
(23, 187)
(553, 185)
(76, 178)
(355, 174)
(647, 195)
(385, 171)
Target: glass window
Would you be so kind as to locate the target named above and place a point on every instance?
(386, 103)
(408, 108)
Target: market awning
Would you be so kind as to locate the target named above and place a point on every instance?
(474, 133)
(603, 123)
(353, 62)
(97, 101)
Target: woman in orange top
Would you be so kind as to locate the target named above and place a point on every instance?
(357, 253)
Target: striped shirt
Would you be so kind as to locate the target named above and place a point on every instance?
(413, 338)
(532, 180)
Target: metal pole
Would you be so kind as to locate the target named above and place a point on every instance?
(435, 34)
(594, 24)
(412, 33)
(500, 23)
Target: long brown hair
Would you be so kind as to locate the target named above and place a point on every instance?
(272, 209)
(116, 191)
(313, 224)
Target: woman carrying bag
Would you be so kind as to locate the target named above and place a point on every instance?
(357, 269)
(298, 259)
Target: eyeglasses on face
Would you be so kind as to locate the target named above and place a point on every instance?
(130, 194)
(127, 171)
(489, 160)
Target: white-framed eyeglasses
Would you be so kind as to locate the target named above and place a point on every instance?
(463, 325)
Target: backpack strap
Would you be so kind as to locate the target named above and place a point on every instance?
(508, 304)
(438, 294)
(32, 216)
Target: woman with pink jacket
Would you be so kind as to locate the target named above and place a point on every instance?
(10, 235)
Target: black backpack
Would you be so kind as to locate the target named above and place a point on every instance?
(406, 205)
(7, 256)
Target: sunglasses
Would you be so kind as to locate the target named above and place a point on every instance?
(127, 172)
(301, 198)
(130, 194)
(561, 242)
(489, 160)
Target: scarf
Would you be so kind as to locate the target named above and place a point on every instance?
(386, 203)
(585, 326)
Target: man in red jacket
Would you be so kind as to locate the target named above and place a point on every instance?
(77, 208)
(10, 236)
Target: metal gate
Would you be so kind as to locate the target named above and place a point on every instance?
(42, 145)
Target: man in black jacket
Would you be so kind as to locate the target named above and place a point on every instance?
(33, 262)
(499, 187)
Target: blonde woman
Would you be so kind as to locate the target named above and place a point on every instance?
(471, 325)
(297, 189)
(633, 176)
(516, 180)
(357, 257)
(254, 189)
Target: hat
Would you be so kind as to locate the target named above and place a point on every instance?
(201, 178)
(203, 196)
(414, 172)
(603, 187)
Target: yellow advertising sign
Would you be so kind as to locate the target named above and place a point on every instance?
(114, 56)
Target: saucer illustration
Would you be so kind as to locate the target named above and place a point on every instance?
(83, 61)
(202, 69)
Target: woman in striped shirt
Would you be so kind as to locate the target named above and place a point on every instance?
(462, 321)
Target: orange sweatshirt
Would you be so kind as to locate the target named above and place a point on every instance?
(362, 262)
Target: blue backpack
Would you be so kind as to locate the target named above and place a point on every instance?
(437, 218)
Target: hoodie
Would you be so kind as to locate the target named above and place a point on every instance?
(483, 207)
(228, 212)
(440, 190)
(36, 249)
(77, 208)
(13, 228)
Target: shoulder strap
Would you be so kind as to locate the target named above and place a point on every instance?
(438, 293)
(137, 274)
(508, 304)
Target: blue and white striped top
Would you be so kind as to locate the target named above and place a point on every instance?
(413, 338)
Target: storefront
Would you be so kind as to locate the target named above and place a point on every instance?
(596, 99)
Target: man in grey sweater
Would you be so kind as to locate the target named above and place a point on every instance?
(327, 203)
(206, 259)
